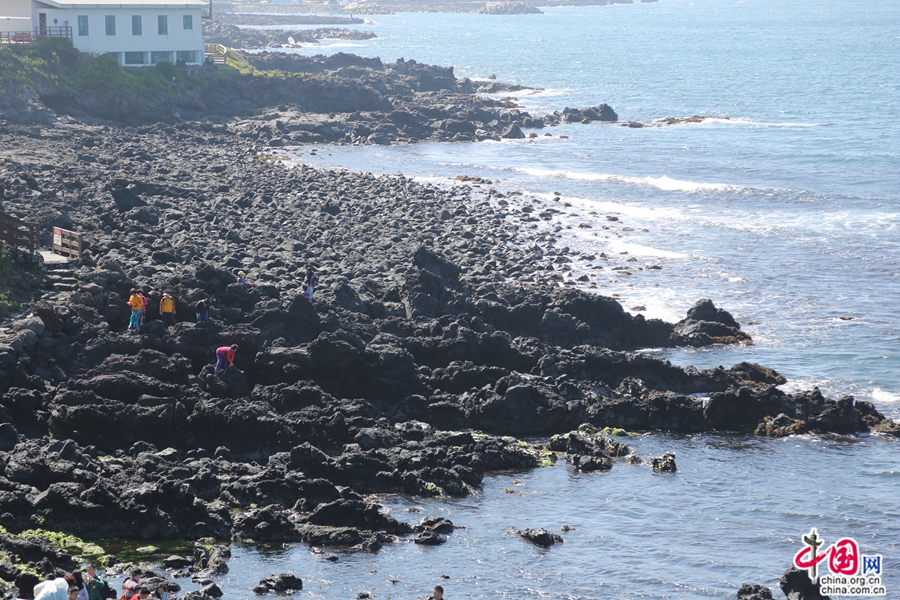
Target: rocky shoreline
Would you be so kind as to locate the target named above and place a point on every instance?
(232, 36)
(441, 327)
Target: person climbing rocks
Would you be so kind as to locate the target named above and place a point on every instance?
(136, 302)
(243, 281)
(305, 291)
(167, 309)
(95, 586)
(202, 310)
(225, 357)
(311, 280)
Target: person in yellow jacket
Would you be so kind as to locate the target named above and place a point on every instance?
(136, 302)
(167, 309)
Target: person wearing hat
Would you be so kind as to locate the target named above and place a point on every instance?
(243, 281)
(53, 589)
(167, 309)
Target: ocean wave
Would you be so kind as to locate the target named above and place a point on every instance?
(641, 250)
(880, 395)
(735, 121)
(664, 182)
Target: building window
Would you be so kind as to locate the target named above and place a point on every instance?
(82, 25)
(135, 58)
(163, 25)
(136, 28)
(110, 25)
(188, 56)
(160, 57)
(188, 21)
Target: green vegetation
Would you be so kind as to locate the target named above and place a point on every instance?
(65, 542)
(17, 284)
(54, 67)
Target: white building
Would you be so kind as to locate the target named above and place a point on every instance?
(136, 32)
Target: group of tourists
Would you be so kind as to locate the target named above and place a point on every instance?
(90, 586)
(139, 303)
(167, 310)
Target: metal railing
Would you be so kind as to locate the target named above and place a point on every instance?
(30, 37)
(19, 233)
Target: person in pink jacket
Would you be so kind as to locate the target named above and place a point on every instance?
(225, 357)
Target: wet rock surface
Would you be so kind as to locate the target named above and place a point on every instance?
(286, 583)
(427, 343)
(539, 537)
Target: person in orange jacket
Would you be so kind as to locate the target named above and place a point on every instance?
(167, 309)
(136, 302)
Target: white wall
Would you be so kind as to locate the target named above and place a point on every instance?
(98, 42)
(15, 8)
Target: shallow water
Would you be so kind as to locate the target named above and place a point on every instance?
(786, 213)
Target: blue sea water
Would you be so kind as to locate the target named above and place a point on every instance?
(784, 209)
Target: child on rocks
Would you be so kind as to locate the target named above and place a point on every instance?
(243, 281)
(305, 291)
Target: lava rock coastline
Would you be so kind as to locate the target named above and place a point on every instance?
(277, 99)
(427, 344)
(232, 36)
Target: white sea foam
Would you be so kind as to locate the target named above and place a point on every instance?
(664, 183)
(641, 250)
(737, 121)
(880, 395)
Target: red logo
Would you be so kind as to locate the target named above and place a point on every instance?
(843, 556)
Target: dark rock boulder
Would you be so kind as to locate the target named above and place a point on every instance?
(753, 591)
(664, 463)
(512, 132)
(539, 537)
(705, 325)
(796, 585)
(286, 583)
(358, 514)
(429, 538)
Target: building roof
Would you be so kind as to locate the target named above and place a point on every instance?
(123, 3)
